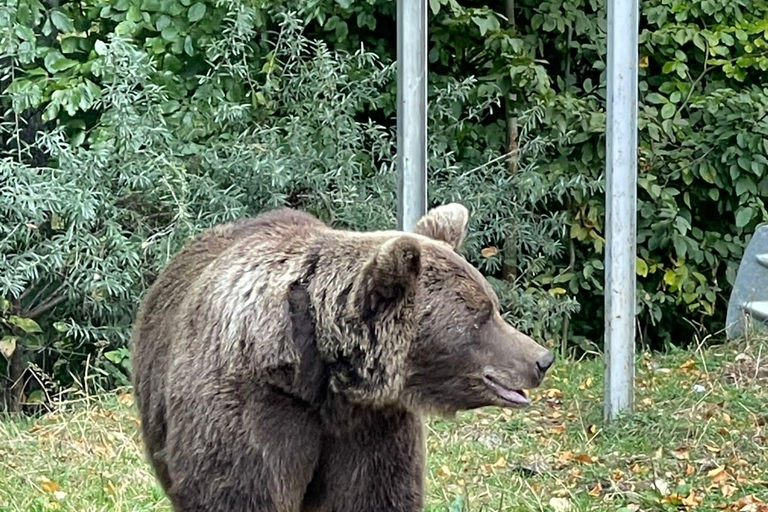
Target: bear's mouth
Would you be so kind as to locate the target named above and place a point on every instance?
(512, 396)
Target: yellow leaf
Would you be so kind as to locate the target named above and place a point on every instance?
(126, 399)
(689, 470)
(643, 62)
(489, 252)
(596, 490)
(554, 393)
(716, 471)
(688, 364)
(501, 463)
(557, 291)
(8, 346)
(49, 486)
(712, 449)
(641, 267)
(444, 472)
(692, 501)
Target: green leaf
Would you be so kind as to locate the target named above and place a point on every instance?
(486, 23)
(196, 12)
(115, 356)
(36, 397)
(134, 14)
(656, 98)
(62, 22)
(162, 22)
(743, 216)
(60, 326)
(345, 4)
(170, 33)
(188, 48)
(668, 111)
(55, 62)
(25, 324)
(100, 47)
(458, 505)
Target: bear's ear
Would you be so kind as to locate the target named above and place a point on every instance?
(447, 223)
(387, 277)
(370, 363)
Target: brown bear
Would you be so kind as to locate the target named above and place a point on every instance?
(284, 366)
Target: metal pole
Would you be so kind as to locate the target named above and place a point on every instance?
(411, 112)
(621, 207)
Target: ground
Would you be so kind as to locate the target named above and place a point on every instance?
(696, 441)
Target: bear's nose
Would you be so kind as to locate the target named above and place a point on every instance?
(545, 362)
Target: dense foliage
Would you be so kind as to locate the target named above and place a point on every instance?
(128, 125)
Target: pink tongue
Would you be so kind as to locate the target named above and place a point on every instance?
(516, 397)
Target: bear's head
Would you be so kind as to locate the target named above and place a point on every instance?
(442, 343)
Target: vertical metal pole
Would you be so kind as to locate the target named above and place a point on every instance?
(411, 112)
(621, 207)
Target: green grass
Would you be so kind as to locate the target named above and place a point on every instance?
(696, 441)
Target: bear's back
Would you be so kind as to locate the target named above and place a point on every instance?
(165, 309)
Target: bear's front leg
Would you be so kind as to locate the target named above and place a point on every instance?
(378, 466)
(240, 451)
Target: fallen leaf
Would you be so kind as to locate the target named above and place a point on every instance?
(560, 504)
(49, 486)
(596, 490)
(681, 453)
(643, 62)
(584, 458)
(713, 449)
(727, 490)
(553, 393)
(592, 430)
(688, 364)
(692, 500)
(716, 471)
(125, 399)
(501, 463)
(444, 472)
(559, 429)
(566, 456)
(689, 470)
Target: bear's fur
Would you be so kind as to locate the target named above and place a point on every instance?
(280, 365)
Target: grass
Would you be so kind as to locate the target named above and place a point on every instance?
(696, 441)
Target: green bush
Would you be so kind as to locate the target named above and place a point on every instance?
(129, 125)
(83, 237)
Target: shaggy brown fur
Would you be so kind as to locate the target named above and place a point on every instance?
(283, 366)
